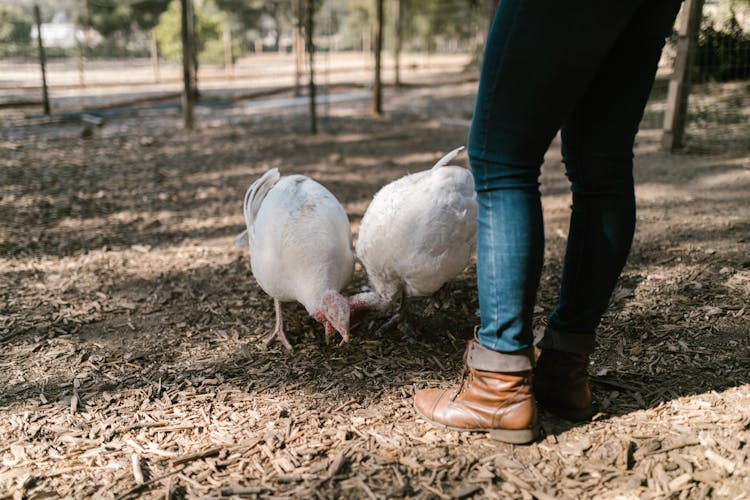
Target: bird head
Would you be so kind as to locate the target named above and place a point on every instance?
(334, 314)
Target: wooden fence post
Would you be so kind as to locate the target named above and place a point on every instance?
(675, 115)
(42, 58)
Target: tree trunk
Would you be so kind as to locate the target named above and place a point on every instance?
(377, 91)
(298, 47)
(194, 49)
(310, 21)
(155, 56)
(397, 42)
(228, 56)
(84, 47)
(42, 58)
(187, 55)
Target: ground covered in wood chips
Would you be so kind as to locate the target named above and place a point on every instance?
(130, 328)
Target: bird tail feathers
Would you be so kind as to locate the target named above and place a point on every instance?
(254, 197)
(242, 240)
(447, 158)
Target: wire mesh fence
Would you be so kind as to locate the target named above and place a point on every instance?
(719, 101)
(257, 49)
(102, 53)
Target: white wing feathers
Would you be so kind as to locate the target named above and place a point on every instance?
(254, 197)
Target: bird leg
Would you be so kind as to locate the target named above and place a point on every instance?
(401, 316)
(441, 296)
(278, 331)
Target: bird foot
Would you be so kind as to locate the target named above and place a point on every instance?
(406, 328)
(395, 319)
(282, 338)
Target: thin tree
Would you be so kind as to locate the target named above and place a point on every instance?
(194, 48)
(397, 42)
(155, 55)
(187, 54)
(83, 48)
(310, 25)
(298, 46)
(228, 56)
(377, 91)
(42, 58)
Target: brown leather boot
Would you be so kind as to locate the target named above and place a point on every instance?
(501, 403)
(561, 384)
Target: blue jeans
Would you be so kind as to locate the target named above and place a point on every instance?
(584, 67)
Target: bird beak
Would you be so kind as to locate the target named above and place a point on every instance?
(339, 320)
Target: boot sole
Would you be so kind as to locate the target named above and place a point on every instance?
(511, 436)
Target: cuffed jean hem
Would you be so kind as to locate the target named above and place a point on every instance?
(567, 342)
(487, 360)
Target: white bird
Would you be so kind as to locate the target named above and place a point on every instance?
(300, 246)
(418, 233)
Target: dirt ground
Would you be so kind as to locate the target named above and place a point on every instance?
(130, 328)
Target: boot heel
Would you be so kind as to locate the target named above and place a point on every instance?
(521, 436)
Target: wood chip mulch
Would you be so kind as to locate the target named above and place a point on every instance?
(130, 329)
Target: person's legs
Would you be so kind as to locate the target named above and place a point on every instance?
(598, 153)
(597, 148)
(541, 57)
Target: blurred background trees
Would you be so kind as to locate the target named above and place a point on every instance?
(207, 34)
(15, 30)
(256, 25)
(126, 28)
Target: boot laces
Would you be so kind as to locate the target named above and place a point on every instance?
(465, 374)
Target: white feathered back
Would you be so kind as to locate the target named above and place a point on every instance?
(419, 231)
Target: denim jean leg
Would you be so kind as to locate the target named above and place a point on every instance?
(598, 139)
(510, 251)
(601, 231)
(539, 59)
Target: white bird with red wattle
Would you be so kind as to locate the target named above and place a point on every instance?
(300, 245)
